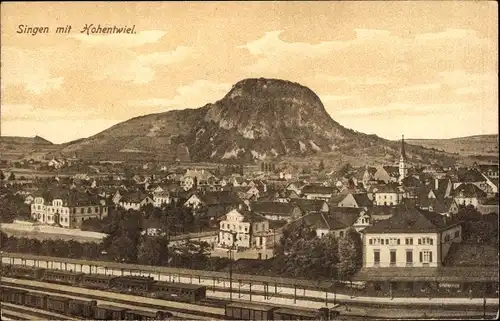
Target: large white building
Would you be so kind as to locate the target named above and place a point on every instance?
(244, 229)
(412, 237)
(67, 209)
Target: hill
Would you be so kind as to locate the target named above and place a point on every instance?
(258, 119)
(481, 148)
(14, 147)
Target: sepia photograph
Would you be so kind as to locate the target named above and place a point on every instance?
(249, 160)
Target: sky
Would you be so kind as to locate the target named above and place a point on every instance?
(422, 69)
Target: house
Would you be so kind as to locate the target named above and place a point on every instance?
(490, 171)
(412, 237)
(208, 199)
(160, 198)
(334, 222)
(135, 200)
(317, 192)
(469, 194)
(309, 206)
(387, 195)
(387, 174)
(443, 206)
(472, 176)
(368, 175)
(295, 187)
(240, 228)
(194, 178)
(356, 200)
(277, 211)
(351, 217)
(67, 208)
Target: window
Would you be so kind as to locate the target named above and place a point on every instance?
(246, 229)
(426, 257)
(393, 257)
(341, 233)
(447, 238)
(457, 233)
(370, 241)
(409, 257)
(409, 241)
(376, 257)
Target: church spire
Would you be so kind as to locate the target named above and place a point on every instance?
(403, 154)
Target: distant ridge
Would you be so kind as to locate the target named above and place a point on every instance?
(37, 140)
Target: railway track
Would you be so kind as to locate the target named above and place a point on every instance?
(133, 302)
(18, 312)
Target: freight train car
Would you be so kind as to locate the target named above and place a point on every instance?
(85, 309)
(248, 311)
(109, 312)
(144, 315)
(254, 311)
(136, 285)
(35, 300)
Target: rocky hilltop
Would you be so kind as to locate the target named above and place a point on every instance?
(257, 119)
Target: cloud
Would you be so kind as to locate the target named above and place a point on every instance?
(139, 68)
(16, 112)
(121, 40)
(29, 69)
(448, 33)
(420, 87)
(333, 98)
(467, 91)
(193, 95)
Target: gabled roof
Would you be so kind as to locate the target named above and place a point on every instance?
(308, 206)
(470, 176)
(219, 197)
(133, 197)
(362, 200)
(392, 170)
(346, 215)
(488, 167)
(317, 220)
(408, 219)
(273, 208)
(317, 189)
(469, 191)
(386, 189)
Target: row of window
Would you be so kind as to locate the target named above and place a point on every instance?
(424, 257)
(65, 210)
(233, 227)
(397, 241)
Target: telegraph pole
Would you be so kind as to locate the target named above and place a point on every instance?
(231, 266)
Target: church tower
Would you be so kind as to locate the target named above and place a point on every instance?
(403, 165)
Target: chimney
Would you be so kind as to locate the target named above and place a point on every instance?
(436, 184)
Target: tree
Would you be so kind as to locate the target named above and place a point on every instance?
(12, 176)
(150, 251)
(350, 254)
(321, 166)
(2, 176)
(291, 236)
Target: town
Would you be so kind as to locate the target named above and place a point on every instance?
(370, 228)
